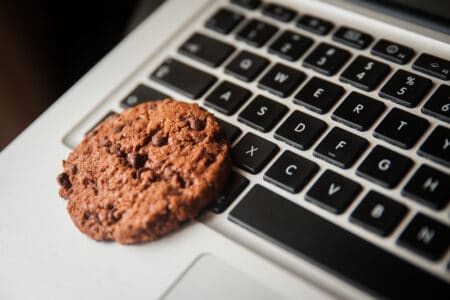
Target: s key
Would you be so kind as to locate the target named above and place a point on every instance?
(262, 113)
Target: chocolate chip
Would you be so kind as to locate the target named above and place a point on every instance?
(196, 124)
(118, 128)
(115, 149)
(159, 140)
(74, 170)
(136, 160)
(64, 181)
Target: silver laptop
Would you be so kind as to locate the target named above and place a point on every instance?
(338, 115)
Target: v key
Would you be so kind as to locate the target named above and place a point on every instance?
(333, 189)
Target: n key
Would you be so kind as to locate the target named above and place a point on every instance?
(281, 80)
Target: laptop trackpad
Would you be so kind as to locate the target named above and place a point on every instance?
(209, 277)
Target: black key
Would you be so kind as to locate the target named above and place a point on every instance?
(326, 59)
(437, 146)
(252, 153)
(352, 37)
(426, 237)
(300, 130)
(433, 65)
(384, 167)
(227, 97)
(314, 25)
(182, 78)
(439, 104)
(141, 94)
(341, 148)
(246, 66)
(406, 88)
(279, 12)
(429, 186)
(256, 33)
(331, 247)
(392, 51)
(236, 183)
(378, 213)
(206, 50)
(358, 111)
(281, 80)
(365, 73)
(290, 45)
(248, 4)
(291, 172)
(262, 113)
(106, 116)
(224, 20)
(401, 128)
(333, 192)
(231, 131)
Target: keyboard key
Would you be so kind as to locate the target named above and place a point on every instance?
(401, 128)
(300, 130)
(224, 21)
(236, 183)
(365, 73)
(326, 59)
(246, 66)
(426, 237)
(333, 192)
(378, 213)
(106, 116)
(182, 78)
(141, 94)
(290, 45)
(438, 105)
(279, 12)
(281, 80)
(256, 33)
(252, 153)
(291, 172)
(314, 25)
(352, 38)
(331, 247)
(231, 131)
(341, 148)
(433, 65)
(358, 111)
(392, 51)
(384, 167)
(437, 146)
(262, 113)
(319, 95)
(227, 97)
(429, 187)
(206, 50)
(406, 88)
(248, 4)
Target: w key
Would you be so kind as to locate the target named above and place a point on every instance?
(365, 73)
(281, 80)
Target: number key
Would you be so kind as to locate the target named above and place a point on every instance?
(224, 21)
(256, 33)
(290, 45)
(439, 104)
(326, 59)
(365, 73)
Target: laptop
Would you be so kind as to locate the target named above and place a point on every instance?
(338, 117)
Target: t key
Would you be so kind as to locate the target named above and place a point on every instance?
(365, 73)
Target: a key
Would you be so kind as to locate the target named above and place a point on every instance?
(429, 187)
(319, 95)
(426, 237)
(278, 12)
(248, 4)
(392, 51)
(433, 65)
(333, 192)
(314, 25)
(106, 116)
(352, 38)
(290, 45)
(262, 113)
(256, 33)
(300, 130)
(358, 111)
(141, 94)
(246, 66)
(438, 105)
(401, 128)
(326, 59)
(291, 172)
(365, 73)
(224, 21)
(236, 183)
(206, 50)
(231, 131)
(378, 213)
(227, 97)
(281, 80)
(406, 88)
(252, 153)
(437, 146)
(384, 167)
(341, 148)
(183, 78)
